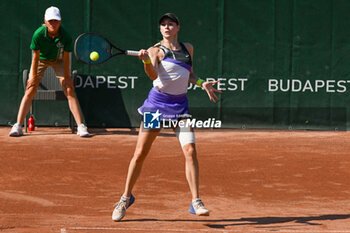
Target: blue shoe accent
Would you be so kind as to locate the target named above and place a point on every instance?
(132, 199)
(192, 211)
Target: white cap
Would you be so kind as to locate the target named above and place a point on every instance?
(52, 13)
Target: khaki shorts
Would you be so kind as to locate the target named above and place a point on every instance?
(57, 65)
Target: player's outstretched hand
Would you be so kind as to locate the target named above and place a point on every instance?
(208, 87)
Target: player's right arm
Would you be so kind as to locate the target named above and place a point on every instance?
(151, 59)
(35, 62)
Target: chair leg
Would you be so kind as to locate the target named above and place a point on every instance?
(26, 118)
(71, 122)
(25, 123)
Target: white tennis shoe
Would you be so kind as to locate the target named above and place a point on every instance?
(198, 208)
(16, 130)
(82, 131)
(120, 208)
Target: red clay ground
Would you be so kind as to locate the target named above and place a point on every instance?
(251, 181)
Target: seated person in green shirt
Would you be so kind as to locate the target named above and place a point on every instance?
(51, 45)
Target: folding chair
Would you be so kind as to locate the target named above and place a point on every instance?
(49, 89)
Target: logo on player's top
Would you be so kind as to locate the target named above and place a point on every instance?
(151, 120)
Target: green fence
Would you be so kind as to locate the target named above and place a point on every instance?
(282, 64)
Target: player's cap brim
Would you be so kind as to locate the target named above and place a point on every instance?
(170, 16)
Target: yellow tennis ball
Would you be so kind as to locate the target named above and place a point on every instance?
(94, 56)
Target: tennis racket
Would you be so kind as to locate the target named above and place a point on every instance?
(94, 49)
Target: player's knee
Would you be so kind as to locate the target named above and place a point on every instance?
(139, 156)
(69, 92)
(30, 92)
(190, 152)
(71, 88)
(67, 86)
(189, 149)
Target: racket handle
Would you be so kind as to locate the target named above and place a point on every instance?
(132, 53)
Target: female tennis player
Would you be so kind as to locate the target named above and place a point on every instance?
(169, 65)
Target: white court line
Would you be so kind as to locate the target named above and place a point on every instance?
(64, 230)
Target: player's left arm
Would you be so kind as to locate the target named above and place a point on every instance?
(66, 62)
(67, 50)
(68, 81)
(194, 79)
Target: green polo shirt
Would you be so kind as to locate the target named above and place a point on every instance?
(51, 49)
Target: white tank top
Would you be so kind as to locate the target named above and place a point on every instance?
(173, 71)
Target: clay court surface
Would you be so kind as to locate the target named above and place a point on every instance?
(251, 181)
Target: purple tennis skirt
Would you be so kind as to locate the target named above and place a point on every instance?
(170, 106)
